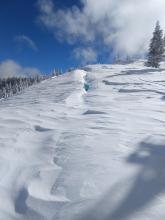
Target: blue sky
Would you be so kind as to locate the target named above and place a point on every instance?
(19, 18)
(49, 34)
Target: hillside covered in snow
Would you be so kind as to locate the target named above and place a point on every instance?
(87, 145)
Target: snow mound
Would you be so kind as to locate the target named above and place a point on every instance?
(87, 145)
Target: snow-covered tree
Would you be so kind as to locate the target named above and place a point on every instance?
(117, 58)
(11, 86)
(164, 43)
(156, 48)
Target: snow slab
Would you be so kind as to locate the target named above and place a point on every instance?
(87, 145)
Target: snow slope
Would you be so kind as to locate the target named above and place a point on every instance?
(88, 145)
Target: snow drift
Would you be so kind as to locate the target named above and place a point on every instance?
(88, 145)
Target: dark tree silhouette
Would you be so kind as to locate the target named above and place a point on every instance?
(156, 48)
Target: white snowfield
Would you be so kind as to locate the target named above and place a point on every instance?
(88, 145)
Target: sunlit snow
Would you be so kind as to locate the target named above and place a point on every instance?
(87, 145)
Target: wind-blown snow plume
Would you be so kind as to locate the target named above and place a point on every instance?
(124, 25)
(86, 55)
(10, 68)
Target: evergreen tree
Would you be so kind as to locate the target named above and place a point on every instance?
(156, 48)
(11, 86)
(164, 43)
(117, 58)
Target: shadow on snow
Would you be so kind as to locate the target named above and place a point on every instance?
(148, 184)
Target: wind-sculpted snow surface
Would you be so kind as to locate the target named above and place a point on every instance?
(88, 145)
